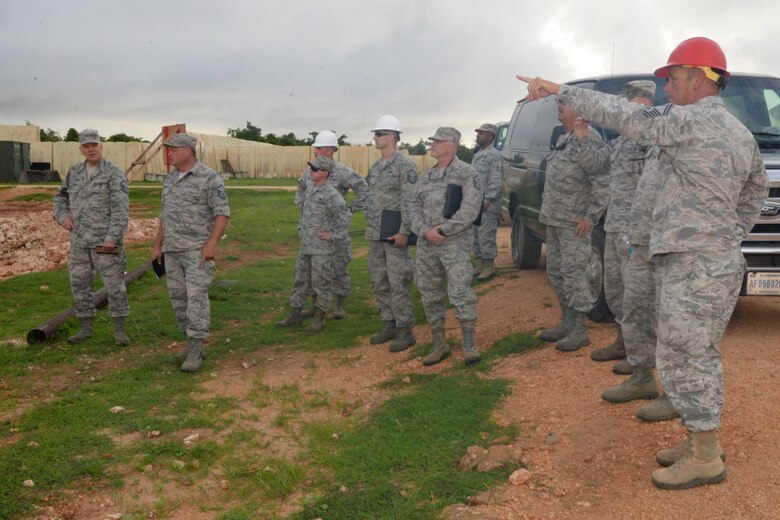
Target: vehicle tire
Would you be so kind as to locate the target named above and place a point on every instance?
(526, 248)
(599, 312)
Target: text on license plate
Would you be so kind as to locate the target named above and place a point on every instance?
(763, 284)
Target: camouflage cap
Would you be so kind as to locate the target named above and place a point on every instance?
(446, 133)
(89, 135)
(639, 89)
(487, 127)
(182, 140)
(322, 163)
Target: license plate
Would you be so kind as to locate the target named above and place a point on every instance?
(767, 284)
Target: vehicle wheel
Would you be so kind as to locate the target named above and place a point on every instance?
(526, 248)
(599, 311)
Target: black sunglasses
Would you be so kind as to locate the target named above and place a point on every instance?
(313, 169)
(382, 134)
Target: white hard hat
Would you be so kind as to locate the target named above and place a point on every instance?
(388, 123)
(325, 138)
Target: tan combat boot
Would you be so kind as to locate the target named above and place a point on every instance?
(194, 355)
(309, 311)
(622, 368)
(388, 332)
(318, 322)
(661, 409)
(440, 350)
(403, 340)
(577, 336)
(478, 264)
(641, 385)
(120, 337)
(470, 352)
(617, 350)
(339, 312)
(559, 331)
(669, 456)
(295, 318)
(702, 465)
(84, 332)
(488, 270)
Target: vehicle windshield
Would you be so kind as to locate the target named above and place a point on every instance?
(756, 102)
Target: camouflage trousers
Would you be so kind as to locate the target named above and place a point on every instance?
(615, 263)
(485, 246)
(640, 305)
(313, 274)
(567, 263)
(341, 259)
(188, 290)
(441, 271)
(391, 270)
(698, 291)
(82, 264)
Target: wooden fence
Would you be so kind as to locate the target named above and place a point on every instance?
(256, 161)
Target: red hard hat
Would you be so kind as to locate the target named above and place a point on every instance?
(696, 52)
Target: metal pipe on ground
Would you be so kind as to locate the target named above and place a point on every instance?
(44, 332)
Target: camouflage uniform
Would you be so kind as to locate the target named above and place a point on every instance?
(575, 188)
(322, 208)
(715, 185)
(190, 203)
(489, 167)
(625, 167)
(451, 258)
(640, 300)
(342, 179)
(99, 208)
(391, 184)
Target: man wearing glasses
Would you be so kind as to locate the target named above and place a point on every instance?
(391, 182)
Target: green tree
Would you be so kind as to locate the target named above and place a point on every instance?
(417, 149)
(343, 140)
(72, 136)
(123, 138)
(250, 133)
(50, 136)
(465, 153)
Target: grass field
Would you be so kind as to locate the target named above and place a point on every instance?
(59, 431)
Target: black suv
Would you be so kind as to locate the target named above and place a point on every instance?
(534, 127)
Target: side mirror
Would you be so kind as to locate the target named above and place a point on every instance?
(557, 132)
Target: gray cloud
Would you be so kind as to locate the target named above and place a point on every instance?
(308, 65)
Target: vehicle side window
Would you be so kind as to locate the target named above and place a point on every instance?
(523, 126)
(498, 143)
(545, 122)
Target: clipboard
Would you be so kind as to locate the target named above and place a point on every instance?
(390, 224)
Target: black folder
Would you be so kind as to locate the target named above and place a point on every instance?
(452, 203)
(159, 267)
(390, 225)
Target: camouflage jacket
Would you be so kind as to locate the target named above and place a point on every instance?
(651, 181)
(390, 186)
(99, 207)
(343, 179)
(625, 167)
(323, 208)
(428, 204)
(489, 166)
(190, 203)
(576, 185)
(715, 181)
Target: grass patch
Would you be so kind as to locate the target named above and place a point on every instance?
(402, 462)
(33, 197)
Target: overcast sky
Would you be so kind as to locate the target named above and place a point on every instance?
(301, 66)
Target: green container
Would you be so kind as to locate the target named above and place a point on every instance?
(14, 159)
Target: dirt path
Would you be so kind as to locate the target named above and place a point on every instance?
(588, 459)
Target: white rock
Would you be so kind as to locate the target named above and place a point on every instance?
(117, 409)
(190, 439)
(28, 483)
(519, 477)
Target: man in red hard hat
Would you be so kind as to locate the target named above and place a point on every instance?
(713, 186)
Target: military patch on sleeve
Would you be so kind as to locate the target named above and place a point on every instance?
(123, 186)
(411, 177)
(221, 193)
(657, 111)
